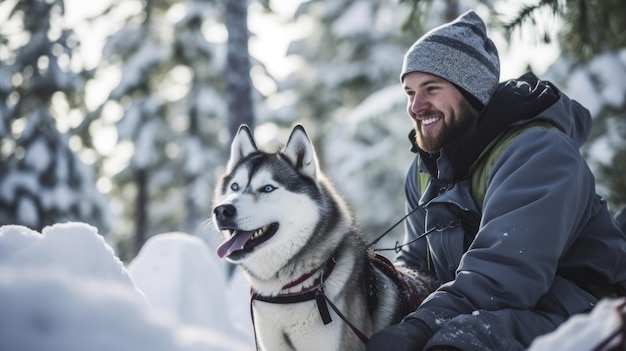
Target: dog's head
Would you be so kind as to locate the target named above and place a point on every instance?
(266, 204)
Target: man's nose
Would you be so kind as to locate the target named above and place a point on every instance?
(419, 104)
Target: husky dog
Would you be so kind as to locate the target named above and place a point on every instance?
(315, 283)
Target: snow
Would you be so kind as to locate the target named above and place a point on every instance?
(163, 269)
(194, 161)
(12, 182)
(611, 71)
(587, 331)
(585, 91)
(64, 289)
(350, 23)
(27, 211)
(144, 145)
(127, 126)
(37, 156)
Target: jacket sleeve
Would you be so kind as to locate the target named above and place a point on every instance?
(415, 253)
(537, 194)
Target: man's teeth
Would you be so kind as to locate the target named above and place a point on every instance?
(429, 121)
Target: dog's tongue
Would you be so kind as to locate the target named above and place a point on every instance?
(236, 242)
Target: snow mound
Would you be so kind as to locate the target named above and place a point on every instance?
(65, 290)
(182, 277)
(73, 247)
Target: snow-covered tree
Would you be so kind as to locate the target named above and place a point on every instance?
(352, 50)
(205, 138)
(138, 47)
(170, 90)
(42, 181)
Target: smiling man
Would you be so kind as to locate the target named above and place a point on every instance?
(504, 211)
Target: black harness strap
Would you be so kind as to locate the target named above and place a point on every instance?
(315, 293)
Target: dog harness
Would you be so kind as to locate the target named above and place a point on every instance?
(315, 292)
(408, 292)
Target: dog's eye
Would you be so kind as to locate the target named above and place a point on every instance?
(234, 186)
(268, 188)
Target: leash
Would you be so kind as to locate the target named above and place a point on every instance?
(398, 247)
(392, 228)
(316, 292)
(356, 330)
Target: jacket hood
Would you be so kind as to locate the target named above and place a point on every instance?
(515, 102)
(570, 117)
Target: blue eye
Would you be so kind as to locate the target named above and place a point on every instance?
(268, 188)
(234, 187)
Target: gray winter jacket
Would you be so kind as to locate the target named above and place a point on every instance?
(543, 237)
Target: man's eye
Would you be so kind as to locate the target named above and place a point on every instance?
(234, 187)
(268, 188)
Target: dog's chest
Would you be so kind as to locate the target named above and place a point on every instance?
(293, 327)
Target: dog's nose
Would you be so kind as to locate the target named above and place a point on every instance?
(224, 212)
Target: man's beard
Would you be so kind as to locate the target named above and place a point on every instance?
(461, 127)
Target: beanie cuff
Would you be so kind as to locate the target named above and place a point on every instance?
(473, 100)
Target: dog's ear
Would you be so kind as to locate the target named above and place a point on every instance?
(243, 145)
(299, 150)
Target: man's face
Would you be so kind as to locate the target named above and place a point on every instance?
(438, 109)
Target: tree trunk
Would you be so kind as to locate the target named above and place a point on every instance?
(192, 216)
(237, 75)
(141, 209)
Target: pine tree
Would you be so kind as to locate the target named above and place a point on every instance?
(205, 137)
(589, 28)
(42, 181)
(171, 91)
(353, 49)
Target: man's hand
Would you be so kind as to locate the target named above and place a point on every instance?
(409, 335)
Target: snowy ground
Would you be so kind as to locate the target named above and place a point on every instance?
(65, 290)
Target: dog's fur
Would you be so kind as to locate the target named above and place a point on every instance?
(303, 223)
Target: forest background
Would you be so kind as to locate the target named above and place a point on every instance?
(119, 113)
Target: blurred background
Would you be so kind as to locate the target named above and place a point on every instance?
(119, 113)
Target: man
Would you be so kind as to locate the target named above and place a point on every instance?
(506, 214)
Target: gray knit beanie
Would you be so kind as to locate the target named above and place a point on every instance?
(459, 52)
